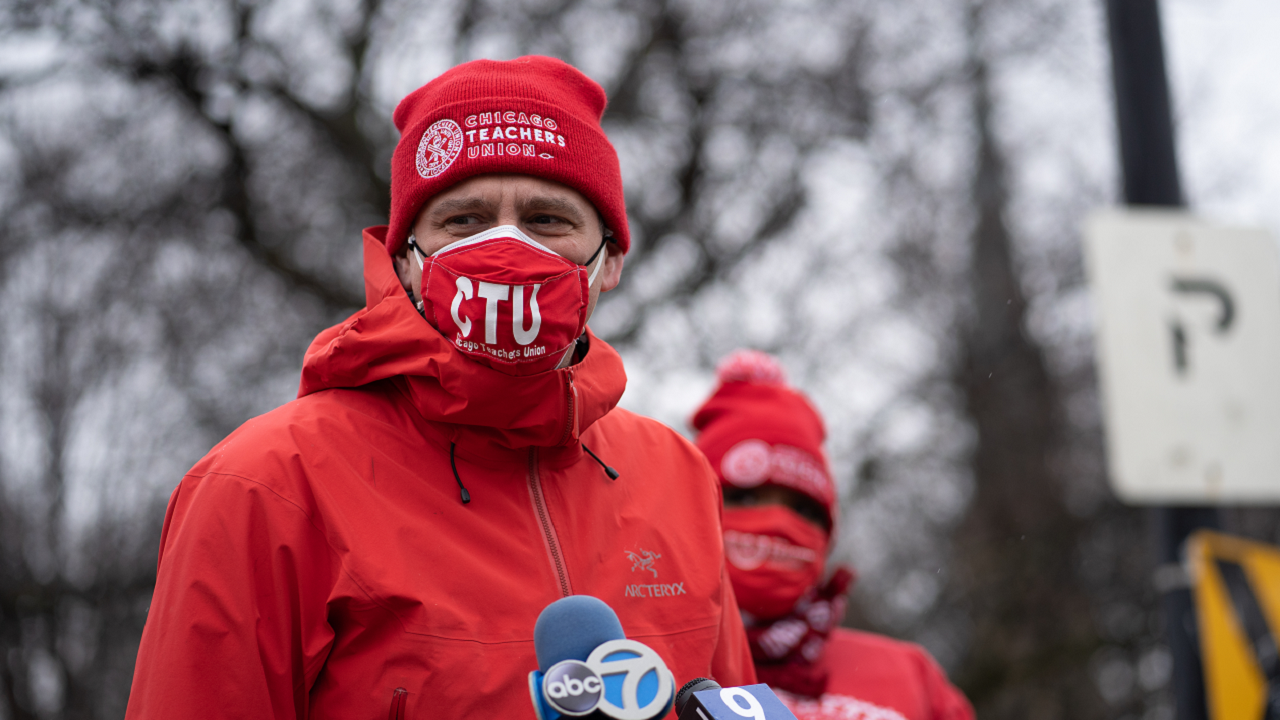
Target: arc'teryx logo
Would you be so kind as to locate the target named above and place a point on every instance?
(644, 561)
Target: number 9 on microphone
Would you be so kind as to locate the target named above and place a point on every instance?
(757, 702)
(731, 697)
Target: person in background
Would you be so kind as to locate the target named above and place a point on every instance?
(764, 440)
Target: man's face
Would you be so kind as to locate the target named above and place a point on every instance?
(555, 215)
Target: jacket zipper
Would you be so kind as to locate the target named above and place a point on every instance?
(548, 531)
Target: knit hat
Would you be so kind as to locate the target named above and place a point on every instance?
(756, 429)
(533, 115)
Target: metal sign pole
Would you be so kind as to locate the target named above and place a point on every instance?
(1150, 171)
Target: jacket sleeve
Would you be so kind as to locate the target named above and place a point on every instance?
(732, 663)
(238, 622)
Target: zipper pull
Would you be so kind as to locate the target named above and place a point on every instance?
(573, 405)
(397, 704)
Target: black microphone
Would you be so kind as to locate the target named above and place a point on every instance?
(587, 668)
(704, 699)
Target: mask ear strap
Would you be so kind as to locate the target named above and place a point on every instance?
(417, 251)
(599, 261)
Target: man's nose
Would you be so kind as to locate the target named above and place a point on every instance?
(508, 216)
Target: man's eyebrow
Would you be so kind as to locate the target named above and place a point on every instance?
(556, 205)
(461, 205)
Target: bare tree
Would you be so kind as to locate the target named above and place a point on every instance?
(830, 181)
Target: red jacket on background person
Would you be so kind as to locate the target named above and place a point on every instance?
(873, 677)
(764, 440)
(382, 546)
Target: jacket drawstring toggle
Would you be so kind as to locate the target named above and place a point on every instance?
(466, 496)
(613, 474)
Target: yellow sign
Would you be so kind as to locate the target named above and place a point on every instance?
(1236, 584)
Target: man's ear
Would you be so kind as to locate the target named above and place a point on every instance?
(612, 270)
(404, 268)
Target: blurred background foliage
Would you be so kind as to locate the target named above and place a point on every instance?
(885, 195)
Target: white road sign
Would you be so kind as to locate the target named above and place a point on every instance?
(1188, 348)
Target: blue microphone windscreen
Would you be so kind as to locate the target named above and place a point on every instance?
(570, 628)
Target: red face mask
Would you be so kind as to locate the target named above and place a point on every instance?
(506, 300)
(774, 555)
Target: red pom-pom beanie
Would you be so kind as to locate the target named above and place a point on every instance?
(533, 115)
(756, 429)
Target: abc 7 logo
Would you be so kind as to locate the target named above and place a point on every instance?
(577, 688)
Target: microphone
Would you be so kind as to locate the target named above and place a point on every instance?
(704, 699)
(587, 668)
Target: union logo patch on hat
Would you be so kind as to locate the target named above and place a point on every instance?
(440, 146)
(748, 463)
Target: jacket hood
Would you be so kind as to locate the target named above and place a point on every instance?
(388, 339)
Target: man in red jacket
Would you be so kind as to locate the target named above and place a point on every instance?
(765, 441)
(381, 546)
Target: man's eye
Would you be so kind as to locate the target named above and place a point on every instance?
(462, 220)
(545, 220)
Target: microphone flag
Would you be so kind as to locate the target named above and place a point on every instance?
(757, 702)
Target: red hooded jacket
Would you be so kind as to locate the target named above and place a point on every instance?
(873, 677)
(319, 563)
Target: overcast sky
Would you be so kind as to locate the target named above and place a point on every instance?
(1223, 57)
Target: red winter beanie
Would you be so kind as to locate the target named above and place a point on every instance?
(533, 115)
(756, 429)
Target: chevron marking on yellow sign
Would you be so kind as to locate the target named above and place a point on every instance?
(1236, 584)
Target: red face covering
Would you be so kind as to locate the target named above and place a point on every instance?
(774, 555)
(507, 301)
